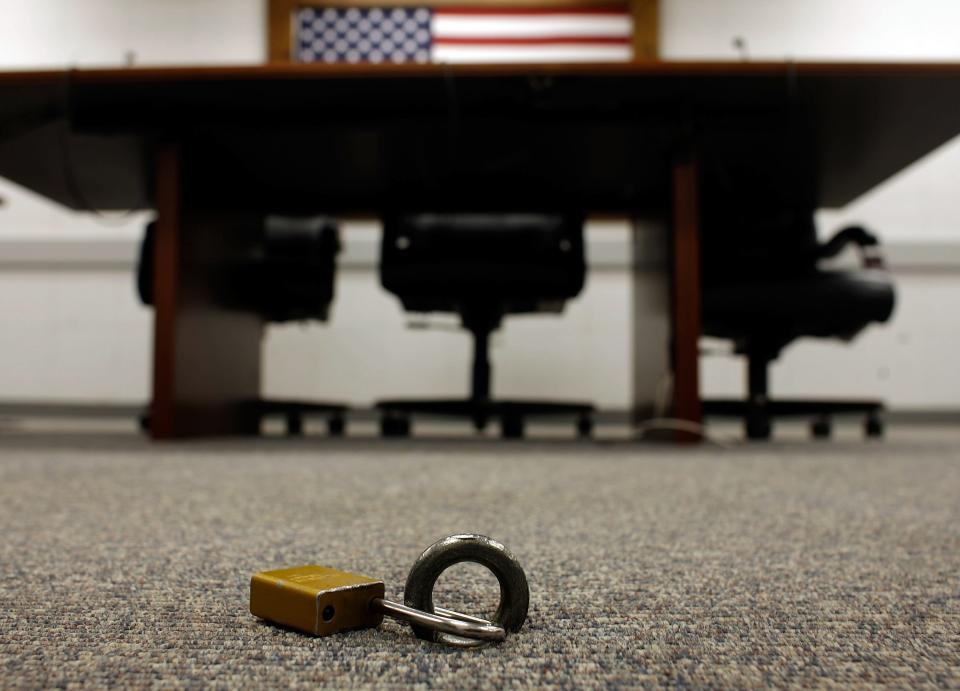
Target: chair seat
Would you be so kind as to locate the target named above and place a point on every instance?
(824, 304)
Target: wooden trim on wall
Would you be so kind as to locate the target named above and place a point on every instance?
(646, 17)
(646, 29)
(280, 29)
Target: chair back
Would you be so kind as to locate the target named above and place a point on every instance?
(492, 263)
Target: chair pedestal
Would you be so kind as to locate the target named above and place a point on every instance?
(480, 408)
(483, 267)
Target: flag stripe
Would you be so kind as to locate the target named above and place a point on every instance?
(619, 10)
(538, 41)
(531, 54)
(499, 25)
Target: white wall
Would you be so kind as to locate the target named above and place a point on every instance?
(909, 360)
(100, 33)
(917, 205)
(72, 335)
(367, 352)
(75, 332)
(810, 29)
(48, 34)
(79, 333)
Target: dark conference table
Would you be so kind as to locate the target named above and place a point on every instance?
(214, 149)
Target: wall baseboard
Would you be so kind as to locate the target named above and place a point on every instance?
(604, 253)
(16, 410)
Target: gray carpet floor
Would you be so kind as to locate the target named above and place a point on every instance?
(123, 563)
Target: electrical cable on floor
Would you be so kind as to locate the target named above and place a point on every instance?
(662, 422)
(669, 424)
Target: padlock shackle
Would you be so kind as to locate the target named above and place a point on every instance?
(441, 620)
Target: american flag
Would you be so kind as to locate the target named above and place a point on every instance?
(463, 35)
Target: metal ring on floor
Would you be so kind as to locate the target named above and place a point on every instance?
(456, 549)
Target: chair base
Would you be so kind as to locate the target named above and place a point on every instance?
(758, 418)
(396, 414)
(294, 412)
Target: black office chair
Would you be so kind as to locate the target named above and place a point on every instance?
(483, 267)
(287, 274)
(773, 293)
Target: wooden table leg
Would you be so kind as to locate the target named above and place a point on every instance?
(685, 278)
(206, 358)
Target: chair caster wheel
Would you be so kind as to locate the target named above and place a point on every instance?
(336, 425)
(758, 429)
(584, 426)
(873, 426)
(394, 426)
(821, 428)
(294, 425)
(143, 420)
(511, 427)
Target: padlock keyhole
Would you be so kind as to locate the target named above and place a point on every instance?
(328, 613)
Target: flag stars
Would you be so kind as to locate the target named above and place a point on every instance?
(364, 35)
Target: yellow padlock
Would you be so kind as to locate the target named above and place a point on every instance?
(316, 599)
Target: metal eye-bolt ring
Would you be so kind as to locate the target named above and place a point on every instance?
(456, 549)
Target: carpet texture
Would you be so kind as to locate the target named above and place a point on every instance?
(128, 564)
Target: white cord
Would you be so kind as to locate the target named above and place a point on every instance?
(670, 424)
(662, 394)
